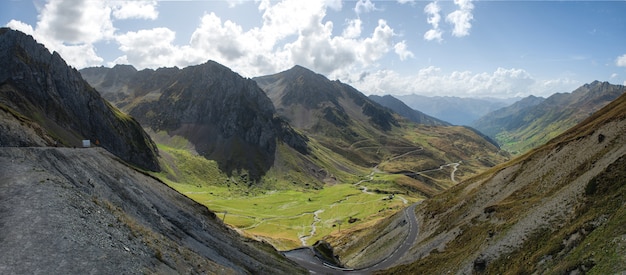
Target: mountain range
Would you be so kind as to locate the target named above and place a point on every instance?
(558, 209)
(402, 109)
(66, 210)
(533, 121)
(455, 110)
(330, 128)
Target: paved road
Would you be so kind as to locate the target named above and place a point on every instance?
(306, 257)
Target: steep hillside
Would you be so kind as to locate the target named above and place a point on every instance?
(346, 121)
(402, 109)
(509, 117)
(558, 209)
(225, 117)
(534, 121)
(456, 110)
(40, 90)
(345, 148)
(82, 211)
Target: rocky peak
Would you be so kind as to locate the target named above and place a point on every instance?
(43, 88)
(226, 117)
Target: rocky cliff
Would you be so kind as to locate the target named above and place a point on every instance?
(41, 90)
(226, 117)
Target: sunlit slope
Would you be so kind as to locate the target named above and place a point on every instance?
(533, 121)
(557, 209)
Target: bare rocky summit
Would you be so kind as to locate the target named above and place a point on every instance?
(39, 89)
(226, 117)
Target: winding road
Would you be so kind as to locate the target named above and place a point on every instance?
(306, 258)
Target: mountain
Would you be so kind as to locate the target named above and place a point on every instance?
(40, 90)
(456, 110)
(224, 116)
(533, 121)
(367, 134)
(402, 109)
(311, 102)
(492, 123)
(559, 209)
(91, 210)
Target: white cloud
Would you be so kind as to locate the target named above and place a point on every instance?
(334, 4)
(401, 50)
(461, 18)
(77, 55)
(432, 10)
(219, 39)
(621, 61)
(138, 9)
(431, 81)
(364, 6)
(406, 1)
(292, 32)
(75, 21)
(353, 30)
(72, 27)
(148, 48)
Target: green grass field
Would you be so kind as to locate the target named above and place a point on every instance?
(283, 217)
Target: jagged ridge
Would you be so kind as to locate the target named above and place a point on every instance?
(40, 87)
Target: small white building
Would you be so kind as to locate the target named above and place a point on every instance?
(86, 143)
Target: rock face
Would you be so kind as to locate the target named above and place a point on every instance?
(226, 117)
(402, 109)
(314, 104)
(40, 89)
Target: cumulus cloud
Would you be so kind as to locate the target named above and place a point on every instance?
(76, 21)
(353, 30)
(138, 9)
(431, 81)
(432, 10)
(78, 55)
(621, 61)
(402, 51)
(461, 18)
(364, 6)
(73, 27)
(292, 32)
(148, 48)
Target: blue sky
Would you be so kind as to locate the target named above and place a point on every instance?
(448, 48)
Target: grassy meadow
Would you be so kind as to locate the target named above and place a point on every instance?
(284, 217)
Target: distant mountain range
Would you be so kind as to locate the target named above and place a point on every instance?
(455, 110)
(533, 121)
(402, 109)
